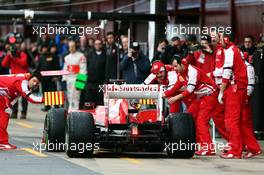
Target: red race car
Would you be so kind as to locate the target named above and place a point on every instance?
(133, 116)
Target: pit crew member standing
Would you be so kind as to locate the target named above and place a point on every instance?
(75, 62)
(247, 132)
(203, 107)
(12, 87)
(204, 58)
(233, 88)
(216, 75)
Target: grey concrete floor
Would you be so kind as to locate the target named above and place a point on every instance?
(26, 161)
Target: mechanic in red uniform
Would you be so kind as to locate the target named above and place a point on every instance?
(203, 106)
(216, 75)
(12, 87)
(248, 137)
(165, 75)
(210, 60)
(233, 95)
(204, 58)
(190, 99)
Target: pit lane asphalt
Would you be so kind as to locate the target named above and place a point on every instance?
(26, 161)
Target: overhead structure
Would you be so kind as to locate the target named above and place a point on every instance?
(55, 15)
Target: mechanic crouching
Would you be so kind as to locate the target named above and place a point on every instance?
(165, 75)
(11, 88)
(202, 107)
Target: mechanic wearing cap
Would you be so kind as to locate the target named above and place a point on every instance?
(12, 87)
(204, 57)
(233, 89)
(135, 66)
(202, 108)
(75, 62)
(17, 61)
(165, 75)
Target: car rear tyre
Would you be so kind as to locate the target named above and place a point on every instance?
(181, 131)
(79, 135)
(54, 129)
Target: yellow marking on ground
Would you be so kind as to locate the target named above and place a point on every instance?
(24, 125)
(35, 153)
(134, 161)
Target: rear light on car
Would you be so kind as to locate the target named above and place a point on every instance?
(134, 131)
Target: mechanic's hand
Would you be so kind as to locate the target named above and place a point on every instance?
(172, 100)
(201, 93)
(163, 95)
(208, 49)
(220, 97)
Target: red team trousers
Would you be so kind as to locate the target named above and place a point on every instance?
(218, 118)
(247, 131)
(4, 118)
(234, 100)
(202, 109)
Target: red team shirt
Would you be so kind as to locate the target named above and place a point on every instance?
(14, 86)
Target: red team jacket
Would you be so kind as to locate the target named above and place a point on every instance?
(14, 86)
(198, 81)
(234, 69)
(173, 81)
(217, 73)
(204, 61)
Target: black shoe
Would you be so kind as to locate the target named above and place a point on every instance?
(13, 115)
(23, 116)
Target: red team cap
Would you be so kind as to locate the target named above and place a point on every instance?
(157, 67)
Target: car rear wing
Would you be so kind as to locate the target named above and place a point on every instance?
(135, 91)
(44, 73)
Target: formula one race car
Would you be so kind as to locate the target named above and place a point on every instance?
(133, 116)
